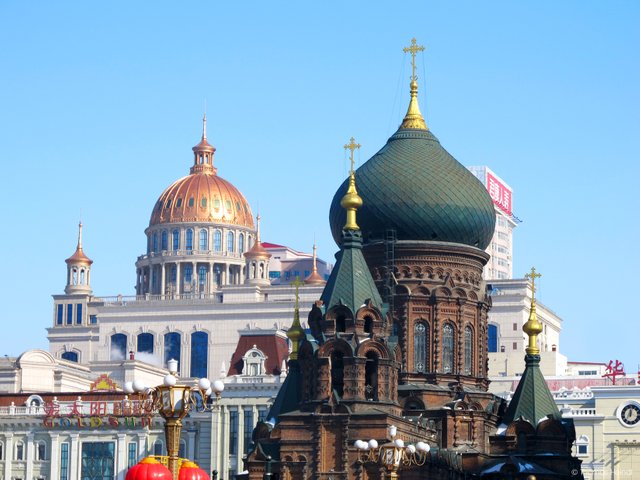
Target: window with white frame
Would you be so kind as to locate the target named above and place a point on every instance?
(582, 446)
(19, 451)
(41, 451)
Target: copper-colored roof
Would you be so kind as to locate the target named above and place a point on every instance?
(275, 347)
(314, 279)
(257, 251)
(79, 257)
(202, 196)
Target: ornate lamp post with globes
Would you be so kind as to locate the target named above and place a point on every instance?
(393, 454)
(173, 402)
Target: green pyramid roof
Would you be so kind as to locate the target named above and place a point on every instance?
(533, 400)
(289, 395)
(350, 283)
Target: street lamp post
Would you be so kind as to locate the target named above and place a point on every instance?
(173, 402)
(394, 453)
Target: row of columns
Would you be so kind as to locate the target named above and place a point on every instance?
(218, 274)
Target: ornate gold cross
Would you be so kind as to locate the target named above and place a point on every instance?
(297, 283)
(532, 276)
(413, 49)
(353, 146)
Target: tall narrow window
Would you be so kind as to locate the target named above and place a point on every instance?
(217, 240)
(230, 242)
(189, 242)
(78, 313)
(188, 273)
(203, 241)
(241, 243)
(175, 239)
(164, 240)
(155, 242)
(202, 276)
(368, 320)
(233, 432)
(337, 372)
(447, 348)
(172, 347)
(199, 351)
(341, 324)
(64, 461)
(59, 314)
(118, 346)
(493, 338)
(69, 314)
(371, 376)
(248, 430)
(41, 451)
(420, 347)
(145, 343)
(132, 454)
(82, 276)
(468, 350)
(19, 451)
(158, 448)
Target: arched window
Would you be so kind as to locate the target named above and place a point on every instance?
(421, 347)
(74, 276)
(145, 343)
(175, 239)
(468, 350)
(70, 356)
(172, 347)
(230, 242)
(189, 243)
(19, 451)
(337, 372)
(371, 377)
(493, 338)
(188, 273)
(41, 451)
(217, 241)
(164, 241)
(202, 276)
(199, 351)
(118, 346)
(447, 348)
(82, 276)
(368, 324)
(203, 240)
(155, 241)
(341, 323)
(241, 243)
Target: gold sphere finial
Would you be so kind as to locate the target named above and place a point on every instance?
(351, 201)
(533, 327)
(295, 332)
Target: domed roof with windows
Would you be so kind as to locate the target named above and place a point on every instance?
(415, 187)
(202, 196)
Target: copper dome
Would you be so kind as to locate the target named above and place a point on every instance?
(202, 196)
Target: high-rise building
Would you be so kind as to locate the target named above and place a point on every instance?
(500, 264)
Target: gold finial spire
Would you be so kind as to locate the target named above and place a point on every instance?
(413, 118)
(258, 217)
(315, 257)
(351, 200)
(80, 235)
(533, 327)
(295, 332)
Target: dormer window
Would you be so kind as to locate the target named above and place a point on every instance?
(254, 362)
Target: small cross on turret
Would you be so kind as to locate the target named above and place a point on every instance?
(413, 49)
(353, 146)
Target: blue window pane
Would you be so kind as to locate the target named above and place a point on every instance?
(199, 351)
(69, 314)
(217, 240)
(274, 274)
(164, 242)
(118, 346)
(203, 240)
(189, 245)
(145, 343)
(133, 454)
(188, 273)
(230, 242)
(241, 243)
(59, 314)
(93, 319)
(176, 239)
(172, 347)
(71, 356)
(155, 242)
(64, 461)
(248, 430)
(97, 461)
(493, 338)
(202, 275)
(78, 313)
(233, 432)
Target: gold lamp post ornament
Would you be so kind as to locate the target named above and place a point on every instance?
(393, 454)
(173, 401)
(351, 200)
(533, 327)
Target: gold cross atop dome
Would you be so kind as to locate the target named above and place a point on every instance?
(353, 146)
(413, 49)
(297, 283)
(296, 333)
(532, 277)
(414, 119)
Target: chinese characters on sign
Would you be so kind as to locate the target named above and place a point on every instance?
(500, 193)
(126, 413)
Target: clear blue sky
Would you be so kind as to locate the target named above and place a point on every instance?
(100, 104)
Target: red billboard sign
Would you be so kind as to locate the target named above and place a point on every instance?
(500, 193)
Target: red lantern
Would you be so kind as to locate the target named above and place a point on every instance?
(149, 469)
(191, 471)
